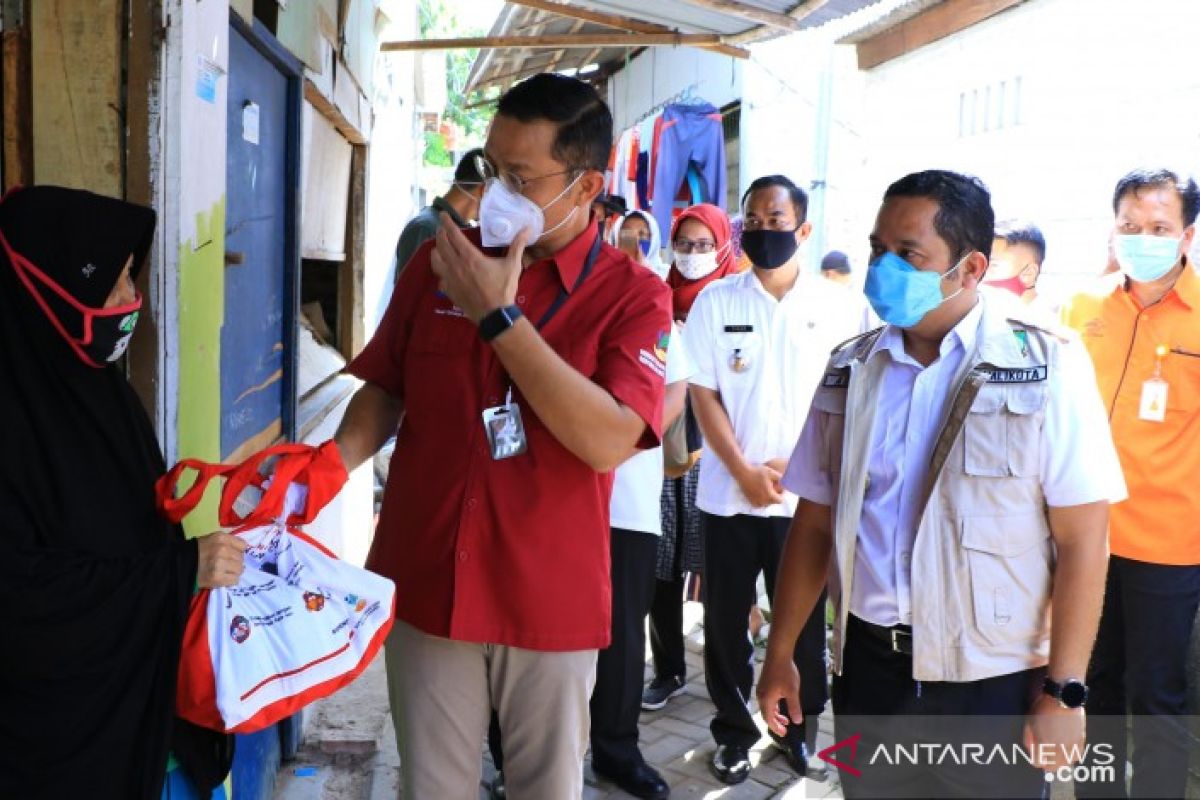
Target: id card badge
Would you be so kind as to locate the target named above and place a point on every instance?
(505, 430)
(1153, 407)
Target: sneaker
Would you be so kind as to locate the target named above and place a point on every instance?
(660, 691)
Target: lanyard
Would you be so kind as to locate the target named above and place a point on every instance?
(557, 305)
(563, 294)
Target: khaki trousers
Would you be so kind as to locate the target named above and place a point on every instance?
(442, 693)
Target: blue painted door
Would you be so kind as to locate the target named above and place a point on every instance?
(257, 336)
(255, 345)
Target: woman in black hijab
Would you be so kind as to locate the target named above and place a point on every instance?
(94, 585)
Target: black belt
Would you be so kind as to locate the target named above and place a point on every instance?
(897, 637)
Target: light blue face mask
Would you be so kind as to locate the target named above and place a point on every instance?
(900, 293)
(1146, 258)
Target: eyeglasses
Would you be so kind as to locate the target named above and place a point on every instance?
(514, 183)
(772, 224)
(693, 245)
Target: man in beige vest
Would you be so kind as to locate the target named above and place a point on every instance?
(954, 477)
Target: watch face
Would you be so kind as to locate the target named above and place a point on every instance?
(1074, 694)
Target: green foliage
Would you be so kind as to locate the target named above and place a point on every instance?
(436, 154)
(438, 19)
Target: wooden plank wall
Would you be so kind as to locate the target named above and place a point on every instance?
(78, 129)
(351, 302)
(326, 190)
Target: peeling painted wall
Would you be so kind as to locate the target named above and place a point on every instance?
(194, 226)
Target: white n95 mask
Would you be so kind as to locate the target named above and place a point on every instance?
(504, 213)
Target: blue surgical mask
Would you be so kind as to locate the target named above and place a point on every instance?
(1146, 258)
(900, 293)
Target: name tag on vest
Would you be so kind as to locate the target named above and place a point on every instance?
(1018, 374)
(739, 329)
(836, 379)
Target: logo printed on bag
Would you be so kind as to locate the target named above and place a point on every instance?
(314, 601)
(239, 629)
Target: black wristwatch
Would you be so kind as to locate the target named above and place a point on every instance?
(497, 322)
(1070, 693)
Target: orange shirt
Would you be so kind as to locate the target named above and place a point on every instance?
(1160, 522)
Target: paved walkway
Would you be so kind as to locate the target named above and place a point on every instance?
(350, 747)
(677, 742)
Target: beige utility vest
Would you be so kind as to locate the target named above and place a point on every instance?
(983, 558)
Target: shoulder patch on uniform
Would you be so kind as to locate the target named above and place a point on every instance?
(1018, 374)
(836, 378)
(867, 339)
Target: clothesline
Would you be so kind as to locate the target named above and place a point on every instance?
(684, 94)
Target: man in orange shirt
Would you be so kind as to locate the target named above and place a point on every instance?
(1144, 338)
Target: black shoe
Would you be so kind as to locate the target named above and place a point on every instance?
(731, 764)
(794, 750)
(497, 791)
(641, 780)
(660, 691)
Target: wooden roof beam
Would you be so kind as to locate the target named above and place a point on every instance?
(799, 13)
(734, 8)
(557, 41)
(598, 17)
(622, 23)
(558, 54)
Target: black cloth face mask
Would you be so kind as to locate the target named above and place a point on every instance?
(768, 249)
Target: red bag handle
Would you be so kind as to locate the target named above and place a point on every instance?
(293, 460)
(320, 469)
(176, 508)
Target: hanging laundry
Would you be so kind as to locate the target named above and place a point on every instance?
(689, 136)
(622, 178)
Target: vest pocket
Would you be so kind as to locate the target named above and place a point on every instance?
(1002, 435)
(1010, 560)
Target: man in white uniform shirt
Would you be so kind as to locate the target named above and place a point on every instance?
(954, 478)
(636, 523)
(758, 342)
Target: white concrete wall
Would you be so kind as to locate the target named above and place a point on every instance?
(1105, 86)
(395, 157)
(790, 126)
(346, 526)
(659, 73)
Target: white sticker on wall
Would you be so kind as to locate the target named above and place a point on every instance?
(250, 122)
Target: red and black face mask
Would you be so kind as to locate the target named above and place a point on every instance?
(104, 332)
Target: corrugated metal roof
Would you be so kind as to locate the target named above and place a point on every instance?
(504, 66)
(688, 17)
(900, 11)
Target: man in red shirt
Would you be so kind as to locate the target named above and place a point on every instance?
(526, 361)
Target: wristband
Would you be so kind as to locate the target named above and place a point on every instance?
(497, 322)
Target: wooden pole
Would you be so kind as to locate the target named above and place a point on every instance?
(18, 99)
(557, 41)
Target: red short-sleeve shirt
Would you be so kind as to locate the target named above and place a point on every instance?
(511, 552)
